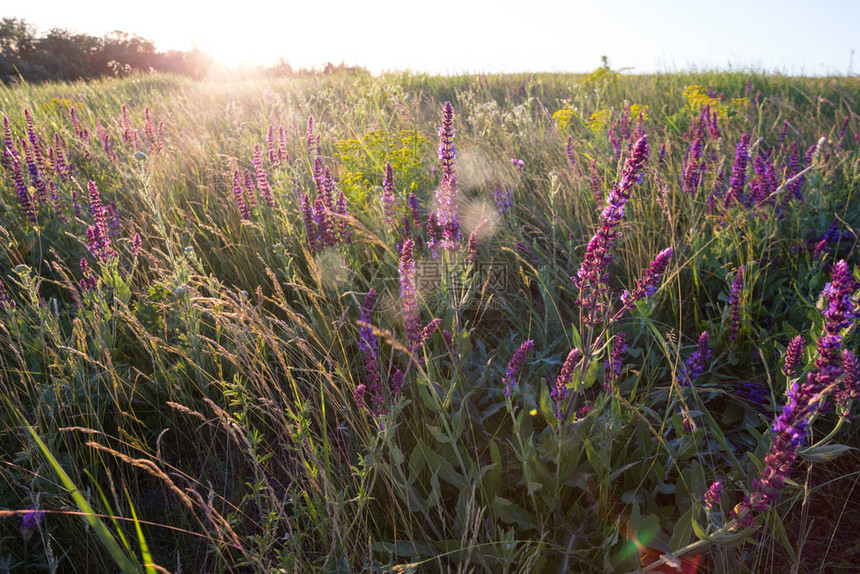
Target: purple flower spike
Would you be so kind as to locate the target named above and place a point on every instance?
(739, 172)
(238, 193)
(734, 305)
(591, 277)
(408, 296)
(569, 152)
(559, 391)
(713, 495)
(850, 388)
(793, 356)
(648, 285)
(262, 179)
(311, 141)
(697, 363)
(24, 197)
(516, 365)
(613, 365)
(446, 194)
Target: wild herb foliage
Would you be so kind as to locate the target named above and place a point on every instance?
(261, 326)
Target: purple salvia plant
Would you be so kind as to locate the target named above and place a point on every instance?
(24, 197)
(739, 172)
(591, 277)
(63, 168)
(408, 295)
(262, 179)
(503, 196)
(434, 233)
(713, 495)
(238, 193)
(283, 154)
(35, 175)
(343, 223)
(570, 153)
(429, 329)
(734, 306)
(125, 124)
(714, 126)
(613, 365)
(328, 189)
(850, 387)
(249, 188)
(783, 132)
(596, 182)
(88, 281)
(446, 194)
(274, 161)
(559, 392)
(9, 150)
(34, 141)
(516, 365)
(789, 432)
(310, 139)
(319, 177)
(692, 167)
(325, 232)
(396, 383)
(96, 207)
(75, 124)
(55, 199)
(697, 363)
(310, 225)
(368, 345)
(649, 283)
(582, 412)
(843, 130)
(661, 156)
(388, 194)
(793, 356)
(136, 245)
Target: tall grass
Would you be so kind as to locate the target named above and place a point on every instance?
(195, 397)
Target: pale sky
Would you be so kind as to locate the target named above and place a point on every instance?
(788, 36)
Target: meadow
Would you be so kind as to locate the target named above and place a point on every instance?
(343, 323)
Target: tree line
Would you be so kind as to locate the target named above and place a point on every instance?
(61, 55)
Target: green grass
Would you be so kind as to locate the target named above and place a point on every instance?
(198, 405)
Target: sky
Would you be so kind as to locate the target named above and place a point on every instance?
(470, 36)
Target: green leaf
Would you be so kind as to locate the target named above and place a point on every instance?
(546, 407)
(438, 435)
(700, 532)
(512, 513)
(128, 564)
(444, 468)
(682, 532)
(825, 453)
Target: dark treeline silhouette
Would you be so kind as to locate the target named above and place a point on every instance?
(62, 55)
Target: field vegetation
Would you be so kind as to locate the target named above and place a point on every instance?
(344, 323)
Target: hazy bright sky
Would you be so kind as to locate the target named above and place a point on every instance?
(789, 36)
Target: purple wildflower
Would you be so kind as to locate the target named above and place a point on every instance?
(692, 167)
(789, 431)
(850, 387)
(739, 171)
(24, 197)
(753, 392)
(559, 391)
(661, 156)
(248, 187)
(697, 362)
(569, 152)
(503, 196)
(283, 154)
(515, 366)
(429, 329)
(591, 277)
(343, 212)
(262, 179)
(396, 383)
(472, 253)
(368, 345)
(581, 413)
(325, 232)
(713, 495)
(446, 194)
(136, 245)
(388, 194)
(613, 365)
(408, 296)
(734, 306)
(310, 140)
(30, 523)
(648, 285)
(793, 356)
(6, 302)
(274, 160)
(310, 225)
(244, 211)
